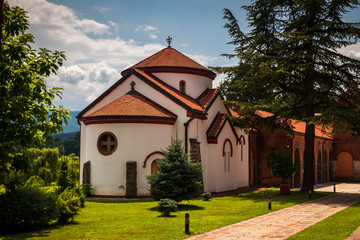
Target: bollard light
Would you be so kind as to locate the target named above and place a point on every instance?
(309, 194)
(269, 202)
(334, 187)
(187, 223)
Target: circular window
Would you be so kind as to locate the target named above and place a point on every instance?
(107, 143)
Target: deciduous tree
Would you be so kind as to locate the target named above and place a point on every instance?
(27, 113)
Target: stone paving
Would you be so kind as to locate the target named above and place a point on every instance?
(288, 221)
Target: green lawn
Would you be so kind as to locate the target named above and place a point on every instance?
(335, 227)
(140, 220)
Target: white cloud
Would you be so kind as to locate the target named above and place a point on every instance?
(352, 51)
(93, 64)
(202, 59)
(153, 36)
(102, 10)
(146, 28)
(149, 30)
(113, 24)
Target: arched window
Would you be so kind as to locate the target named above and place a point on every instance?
(154, 167)
(297, 174)
(227, 153)
(106, 143)
(182, 86)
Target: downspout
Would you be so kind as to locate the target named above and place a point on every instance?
(324, 161)
(292, 153)
(186, 131)
(249, 162)
(78, 121)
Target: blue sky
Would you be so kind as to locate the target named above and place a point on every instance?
(101, 38)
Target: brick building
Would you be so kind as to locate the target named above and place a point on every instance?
(337, 157)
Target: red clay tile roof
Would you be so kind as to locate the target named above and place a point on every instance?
(216, 125)
(171, 60)
(173, 93)
(300, 126)
(133, 104)
(205, 98)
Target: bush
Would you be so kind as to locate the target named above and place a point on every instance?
(206, 196)
(26, 208)
(86, 189)
(69, 205)
(166, 206)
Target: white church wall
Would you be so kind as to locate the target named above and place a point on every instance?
(135, 142)
(243, 177)
(227, 174)
(210, 168)
(195, 84)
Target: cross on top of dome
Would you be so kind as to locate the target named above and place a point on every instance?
(169, 39)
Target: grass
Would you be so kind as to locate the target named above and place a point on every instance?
(335, 227)
(140, 219)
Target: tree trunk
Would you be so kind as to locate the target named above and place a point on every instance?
(308, 179)
(1, 21)
(309, 157)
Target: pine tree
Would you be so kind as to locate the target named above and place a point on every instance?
(289, 64)
(178, 179)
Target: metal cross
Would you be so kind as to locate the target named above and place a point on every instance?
(132, 84)
(108, 143)
(169, 39)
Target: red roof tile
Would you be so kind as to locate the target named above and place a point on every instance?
(172, 92)
(206, 97)
(168, 60)
(216, 125)
(300, 126)
(132, 104)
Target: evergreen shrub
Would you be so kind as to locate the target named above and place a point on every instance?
(86, 189)
(69, 205)
(25, 208)
(167, 206)
(206, 196)
(178, 178)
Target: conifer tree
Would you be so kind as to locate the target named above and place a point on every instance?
(289, 64)
(178, 178)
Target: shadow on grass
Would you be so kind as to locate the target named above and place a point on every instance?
(44, 232)
(296, 196)
(170, 216)
(119, 201)
(183, 207)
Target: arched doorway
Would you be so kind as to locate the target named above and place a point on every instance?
(319, 168)
(251, 167)
(298, 168)
(345, 166)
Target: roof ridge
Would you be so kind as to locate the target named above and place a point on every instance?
(170, 90)
(136, 95)
(169, 60)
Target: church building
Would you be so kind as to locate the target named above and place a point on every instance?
(170, 96)
(163, 97)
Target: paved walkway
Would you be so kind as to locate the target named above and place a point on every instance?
(288, 221)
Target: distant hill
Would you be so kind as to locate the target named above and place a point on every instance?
(72, 124)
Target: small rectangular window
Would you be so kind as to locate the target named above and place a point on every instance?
(228, 161)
